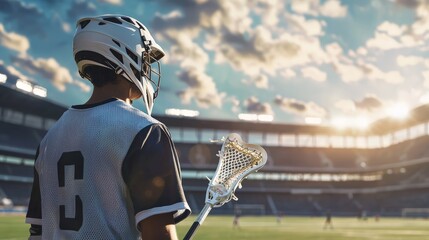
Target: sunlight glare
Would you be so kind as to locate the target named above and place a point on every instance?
(398, 111)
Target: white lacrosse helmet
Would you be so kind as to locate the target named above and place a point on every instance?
(123, 44)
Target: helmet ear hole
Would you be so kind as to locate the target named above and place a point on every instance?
(132, 55)
(117, 55)
(113, 20)
(135, 71)
(84, 23)
(127, 19)
(99, 76)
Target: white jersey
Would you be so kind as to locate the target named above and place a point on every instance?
(100, 170)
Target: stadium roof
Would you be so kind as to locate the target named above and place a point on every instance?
(183, 122)
(15, 99)
(416, 116)
(12, 98)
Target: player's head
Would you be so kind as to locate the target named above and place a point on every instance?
(120, 45)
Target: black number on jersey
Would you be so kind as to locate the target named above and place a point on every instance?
(75, 159)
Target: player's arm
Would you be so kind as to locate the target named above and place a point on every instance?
(159, 226)
(151, 172)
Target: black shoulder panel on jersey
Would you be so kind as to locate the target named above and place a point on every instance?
(34, 207)
(151, 170)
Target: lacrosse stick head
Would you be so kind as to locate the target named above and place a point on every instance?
(237, 160)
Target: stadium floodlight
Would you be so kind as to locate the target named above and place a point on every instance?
(40, 91)
(248, 117)
(255, 117)
(313, 120)
(182, 112)
(265, 117)
(24, 85)
(3, 78)
(237, 160)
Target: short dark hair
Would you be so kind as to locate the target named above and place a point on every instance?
(100, 76)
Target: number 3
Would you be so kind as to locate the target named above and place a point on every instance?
(71, 158)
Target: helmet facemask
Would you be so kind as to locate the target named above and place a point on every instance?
(150, 77)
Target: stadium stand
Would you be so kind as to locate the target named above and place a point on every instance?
(302, 177)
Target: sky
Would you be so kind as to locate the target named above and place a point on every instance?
(293, 60)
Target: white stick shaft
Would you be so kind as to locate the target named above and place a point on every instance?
(203, 214)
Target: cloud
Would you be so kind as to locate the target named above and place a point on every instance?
(369, 103)
(330, 8)
(253, 105)
(268, 10)
(13, 40)
(309, 109)
(47, 68)
(301, 25)
(390, 36)
(81, 85)
(333, 9)
(231, 37)
(345, 105)
(357, 68)
(226, 27)
(66, 27)
(25, 17)
(264, 52)
(391, 29)
(313, 73)
(420, 27)
(80, 8)
(200, 88)
(383, 41)
(288, 73)
(426, 78)
(260, 81)
(348, 72)
(408, 3)
(12, 73)
(404, 61)
(235, 103)
(372, 72)
(113, 2)
(185, 52)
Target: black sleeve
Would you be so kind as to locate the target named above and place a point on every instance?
(151, 170)
(34, 212)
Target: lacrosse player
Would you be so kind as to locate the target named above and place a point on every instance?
(107, 170)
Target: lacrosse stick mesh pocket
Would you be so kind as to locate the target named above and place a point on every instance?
(236, 162)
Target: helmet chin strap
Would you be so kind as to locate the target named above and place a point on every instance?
(147, 96)
(144, 88)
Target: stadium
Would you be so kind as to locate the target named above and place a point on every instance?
(382, 171)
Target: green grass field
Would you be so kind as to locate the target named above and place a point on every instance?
(294, 228)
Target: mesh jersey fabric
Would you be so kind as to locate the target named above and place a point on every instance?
(100, 170)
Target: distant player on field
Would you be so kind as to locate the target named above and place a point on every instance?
(328, 220)
(107, 170)
(236, 220)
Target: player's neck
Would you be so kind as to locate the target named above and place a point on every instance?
(109, 91)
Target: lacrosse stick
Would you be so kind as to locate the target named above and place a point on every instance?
(237, 160)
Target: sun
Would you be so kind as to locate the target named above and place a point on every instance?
(398, 110)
